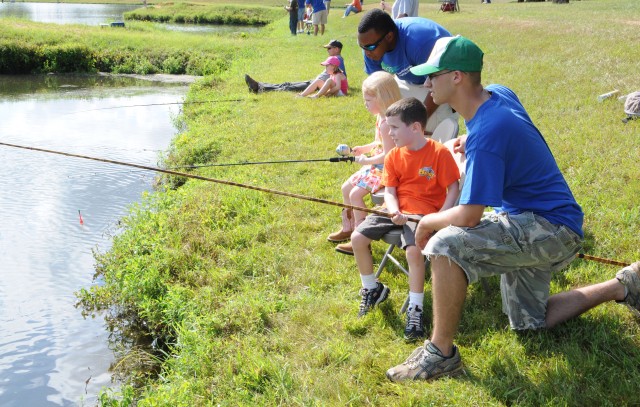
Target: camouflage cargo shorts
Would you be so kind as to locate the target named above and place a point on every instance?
(524, 249)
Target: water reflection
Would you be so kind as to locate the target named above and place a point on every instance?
(96, 14)
(50, 355)
(66, 13)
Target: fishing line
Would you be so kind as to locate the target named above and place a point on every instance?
(157, 104)
(202, 178)
(332, 159)
(255, 188)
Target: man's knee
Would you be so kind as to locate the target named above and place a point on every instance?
(444, 267)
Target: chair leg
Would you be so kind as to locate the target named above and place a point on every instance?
(403, 310)
(397, 263)
(385, 258)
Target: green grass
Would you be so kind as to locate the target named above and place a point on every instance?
(142, 48)
(257, 307)
(195, 13)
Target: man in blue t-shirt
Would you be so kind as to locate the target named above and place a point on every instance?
(534, 229)
(397, 45)
(319, 16)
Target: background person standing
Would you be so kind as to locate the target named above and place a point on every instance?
(401, 8)
(301, 16)
(292, 8)
(319, 16)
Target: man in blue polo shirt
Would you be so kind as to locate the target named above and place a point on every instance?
(534, 230)
(397, 45)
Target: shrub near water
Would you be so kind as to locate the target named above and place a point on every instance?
(27, 47)
(205, 14)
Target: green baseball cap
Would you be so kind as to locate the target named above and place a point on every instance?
(453, 53)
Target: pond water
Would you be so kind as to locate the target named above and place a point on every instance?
(49, 354)
(96, 14)
(66, 13)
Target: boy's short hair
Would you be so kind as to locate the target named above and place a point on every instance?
(409, 110)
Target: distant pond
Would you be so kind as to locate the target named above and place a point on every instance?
(96, 14)
(66, 13)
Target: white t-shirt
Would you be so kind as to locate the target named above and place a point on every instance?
(408, 7)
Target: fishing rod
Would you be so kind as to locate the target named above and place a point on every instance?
(255, 188)
(158, 104)
(602, 260)
(202, 178)
(332, 159)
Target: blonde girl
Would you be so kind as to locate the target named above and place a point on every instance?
(379, 91)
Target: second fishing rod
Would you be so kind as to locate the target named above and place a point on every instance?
(342, 150)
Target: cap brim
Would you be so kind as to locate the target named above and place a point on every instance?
(424, 69)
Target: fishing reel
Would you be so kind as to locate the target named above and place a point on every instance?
(343, 151)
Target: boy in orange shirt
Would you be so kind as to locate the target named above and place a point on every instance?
(420, 177)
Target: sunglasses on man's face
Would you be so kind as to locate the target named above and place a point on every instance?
(371, 47)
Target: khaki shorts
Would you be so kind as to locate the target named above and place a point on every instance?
(319, 17)
(523, 249)
(420, 92)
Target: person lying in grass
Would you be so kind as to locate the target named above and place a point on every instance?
(333, 47)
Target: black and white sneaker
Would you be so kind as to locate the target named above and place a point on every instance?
(371, 298)
(414, 328)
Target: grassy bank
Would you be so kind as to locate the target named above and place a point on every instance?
(197, 13)
(257, 308)
(27, 47)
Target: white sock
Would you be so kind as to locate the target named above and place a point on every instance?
(369, 281)
(416, 299)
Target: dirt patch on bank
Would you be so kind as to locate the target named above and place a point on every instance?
(160, 77)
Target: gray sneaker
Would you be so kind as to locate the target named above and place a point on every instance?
(371, 298)
(427, 363)
(630, 278)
